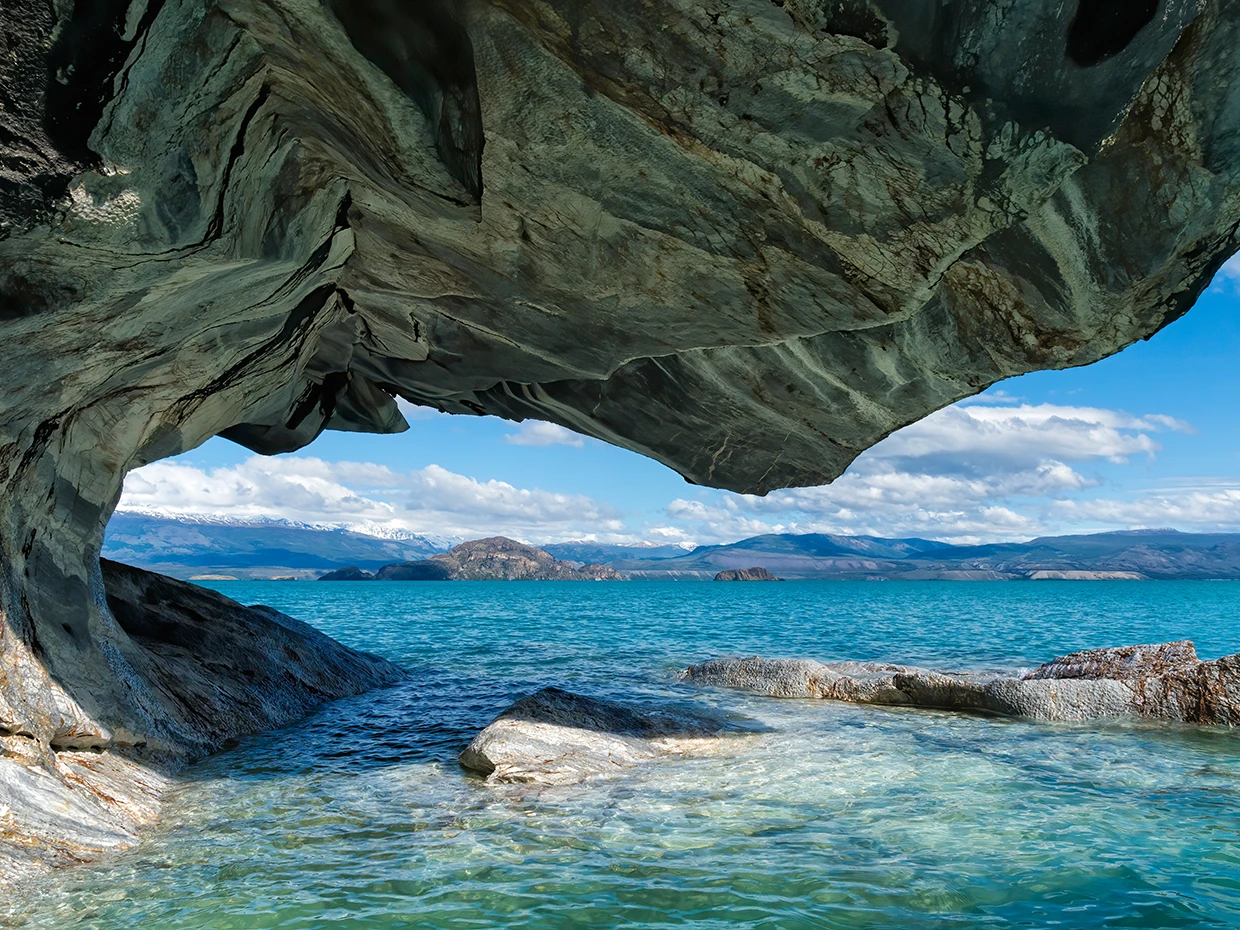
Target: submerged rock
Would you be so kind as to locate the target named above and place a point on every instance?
(555, 737)
(746, 574)
(1163, 682)
(348, 573)
(209, 670)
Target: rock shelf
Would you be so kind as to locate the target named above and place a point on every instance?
(555, 737)
(1162, 682)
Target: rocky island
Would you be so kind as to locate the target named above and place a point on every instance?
(494, 559)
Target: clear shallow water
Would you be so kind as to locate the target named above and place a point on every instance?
(842, 816)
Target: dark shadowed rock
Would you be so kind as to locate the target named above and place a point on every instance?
(1163, 682)
(555, 737)
(745, 574)
(210, 670)
(419, 570)
(348, 573)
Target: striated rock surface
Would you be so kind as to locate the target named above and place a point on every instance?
(348, 573)
(502, 559)
(555, 737)
(745, 574)
(1163, 682)
(748, 239)
(209, 670)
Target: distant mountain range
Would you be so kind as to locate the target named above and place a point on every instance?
(603, 553)
(185, 547)
(189, 548)
(1126, 554)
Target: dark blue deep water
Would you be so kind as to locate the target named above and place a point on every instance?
(841, 816)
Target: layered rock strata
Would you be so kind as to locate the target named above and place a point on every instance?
(748, 239)
(555, 737)
(210, 670)
(1162, 682)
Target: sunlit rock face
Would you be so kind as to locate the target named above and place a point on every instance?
(554, 737)
(748, 239)
(1164, 681)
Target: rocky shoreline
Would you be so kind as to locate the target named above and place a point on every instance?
(555, 737)
(253, 668)
(1165, 681)
(211, 670)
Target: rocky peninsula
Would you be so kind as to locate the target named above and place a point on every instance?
(1161, 682)
(211, 670)
(495, 559)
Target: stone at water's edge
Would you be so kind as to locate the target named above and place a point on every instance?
(1164, 682)
(555, 737)
(211, 670)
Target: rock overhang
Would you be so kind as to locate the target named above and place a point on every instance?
(748, 241)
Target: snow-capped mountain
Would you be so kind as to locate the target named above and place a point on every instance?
(187, 546)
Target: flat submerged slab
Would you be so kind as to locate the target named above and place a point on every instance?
(1164, 681)
(555, 737)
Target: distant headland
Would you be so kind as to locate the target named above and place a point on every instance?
(495, 559)
(217, 549)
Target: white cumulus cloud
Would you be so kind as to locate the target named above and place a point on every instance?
(988, 469)
(970, 472)
(311, 490)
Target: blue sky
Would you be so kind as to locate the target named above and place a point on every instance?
(1145, 438)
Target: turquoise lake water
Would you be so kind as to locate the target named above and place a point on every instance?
(840, 817)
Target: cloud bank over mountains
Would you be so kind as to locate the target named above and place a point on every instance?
(977, 471)
(306, 489)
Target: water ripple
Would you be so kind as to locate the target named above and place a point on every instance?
(841, 817)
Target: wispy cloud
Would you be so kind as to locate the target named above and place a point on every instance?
(538, 433)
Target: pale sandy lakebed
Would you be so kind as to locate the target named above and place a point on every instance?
(834, 816)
